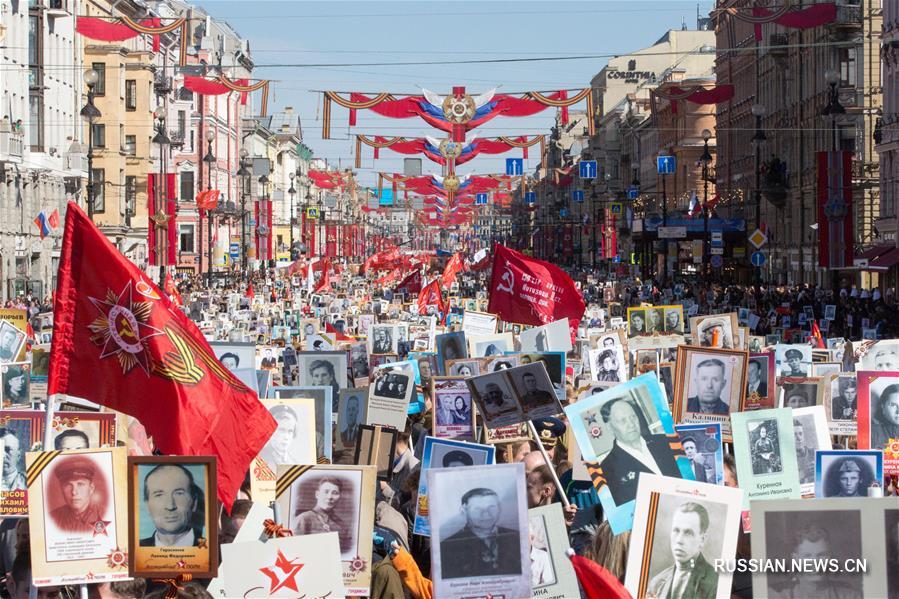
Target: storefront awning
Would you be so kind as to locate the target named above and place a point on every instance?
(885, 261)
(864, 259)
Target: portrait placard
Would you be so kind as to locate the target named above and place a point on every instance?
(841, 401)
(761, 391)
(382, 339)
(21, 431)
(704, 447)
(882, 356)
(800, 392)
(330, 498)
(478, 323)
(445, 453)
(709, 385)
(552, 575)
(12, 337)
(375, 447)
(555, 336)
(453, 414)
(464, 367)
(323, 369)
(793, 359)
(878, 416)
(389, 395)
(765, 452)
(79, 528)
(608, 364)
(450, 346)
(235, 355)
(164, 541)
(307, 565)
(83, 430)
(465, 502)
(513, 395)
(847, 472)
(325, 404)
(481, 346)
(682, 526)
(715, 330)
(840, 533)
(609, 426)
(352, 410)
(15, 385)
(810, 435)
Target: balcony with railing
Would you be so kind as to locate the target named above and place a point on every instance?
(12, 145)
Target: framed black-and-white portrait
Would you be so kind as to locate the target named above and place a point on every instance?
(841, 403)
(682, 530)
(534, 390)
(453, 411)
(324, 413)
(801, 392)
(324, 498)
(607, 364)
(235, 356)
(450, 346)
(323, 369)
(709, 385)
(12, 340)
(881, 357)
(718, 331)
(479, 531)
(352, 409)
(810, 435)
(495, 398)
(383, 339)
(847, 472)
(793, 359)
(464, 368)
(15, 385)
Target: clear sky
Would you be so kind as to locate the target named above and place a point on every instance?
(303, 33)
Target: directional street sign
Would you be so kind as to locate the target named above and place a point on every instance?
(758, 239)
(578, 196)
(758, 259)
(615, 207)
(530, 197)
(514, 166)
(717, 261)
(481, 199)
(587, 169)
(633, 192)
(667, 165)
(563, 212)
(234, 250)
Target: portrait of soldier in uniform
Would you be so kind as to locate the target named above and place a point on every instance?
(84, 508)
(329, 514)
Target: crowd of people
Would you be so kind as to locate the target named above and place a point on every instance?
(275, 312)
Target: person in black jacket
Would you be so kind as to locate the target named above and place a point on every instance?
(481, 548)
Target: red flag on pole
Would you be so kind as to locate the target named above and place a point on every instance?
(172, 291)
(431, 296)
(324, 283)
(531, 291)
(411, 284)
(454, 266)
(118, 341)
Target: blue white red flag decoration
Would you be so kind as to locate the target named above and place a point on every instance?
(458, 112)
(835, 247)
(43, 226)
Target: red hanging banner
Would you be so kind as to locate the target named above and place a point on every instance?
(162, 229)
(835, 231)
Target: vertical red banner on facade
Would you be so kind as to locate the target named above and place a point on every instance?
(169, 242)
(330, 240)
(835, 222)
(264, 230)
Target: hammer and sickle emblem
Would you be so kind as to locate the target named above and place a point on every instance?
(507, 281)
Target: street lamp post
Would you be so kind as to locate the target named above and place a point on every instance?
(244, 173)
(706, 160)
(209, 159)
(161, 219)
(834, 110)
(90, 113)
(758, 140)
(292, 193)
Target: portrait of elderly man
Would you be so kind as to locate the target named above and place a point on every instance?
(481, 547)
(708, 381)
(323, 516)
(691, 576)
(634, 450)
(176, 505)
(13, 478)
(82, 510)
(712, 333)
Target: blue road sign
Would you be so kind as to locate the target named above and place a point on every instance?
(530, 197)
(667, 165)
(514, 166)
(632, 192)
(234, 250)
(717, 261)
(587, 169)
(758, 258)
(563, 212)
(578, 196)
(615, 208)
(480, 198)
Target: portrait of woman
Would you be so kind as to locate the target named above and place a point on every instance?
(885, 417)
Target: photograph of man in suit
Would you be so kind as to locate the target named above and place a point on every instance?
(634, 450)
(230, 360)
(481, 547)
(81, 511)
(691, 576)
(695, 459)
(708, 381)
(13, 478)
(349, 428)
(756, 377)
(173, 499)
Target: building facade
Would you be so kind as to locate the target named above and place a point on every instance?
(888, 144)
(788, 76)
(41, 160)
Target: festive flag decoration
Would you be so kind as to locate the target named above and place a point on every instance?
(54, 219)
(411, 284)
(40, 221)
(120, 342)
(208, 199)
(431, 296)
(454, 266)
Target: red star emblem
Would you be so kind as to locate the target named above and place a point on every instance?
(289, 569)
(100, 527)
(180, 564)
(121, 329)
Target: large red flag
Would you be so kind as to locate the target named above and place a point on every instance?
(531, 291)
(324, 284)
(431, 296)
(120, 342)
(411, 284)
(454, 266)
